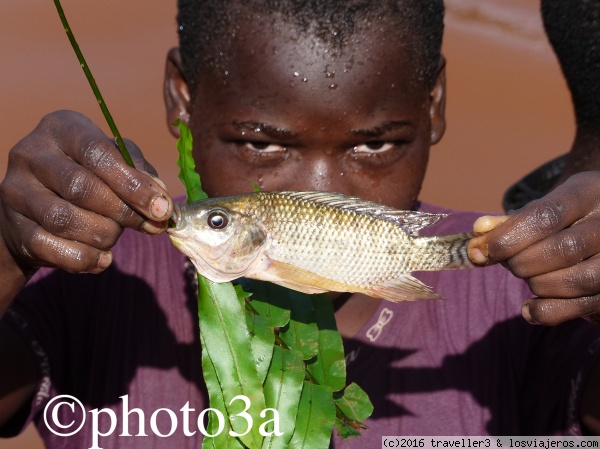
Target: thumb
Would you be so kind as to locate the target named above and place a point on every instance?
(478, 246)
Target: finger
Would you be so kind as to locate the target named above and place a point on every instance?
(139, 161)
(477, 245)
(83, 188)
(488, 222)
(551, 312)
(86, 144)
(582, 279)
(63, 219)
(562, 250)
(40, 248)
(558, 210)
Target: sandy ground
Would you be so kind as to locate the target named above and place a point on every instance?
(508, 107)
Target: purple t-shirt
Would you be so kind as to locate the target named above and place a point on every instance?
(469, 365)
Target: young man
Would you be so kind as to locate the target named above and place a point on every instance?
(342, 96)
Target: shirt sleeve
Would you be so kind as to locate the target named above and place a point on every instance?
(44, 386)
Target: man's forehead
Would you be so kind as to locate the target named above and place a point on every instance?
(275, 42)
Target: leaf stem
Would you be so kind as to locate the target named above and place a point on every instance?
(93, 85)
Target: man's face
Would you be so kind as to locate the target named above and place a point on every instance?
(286, 112)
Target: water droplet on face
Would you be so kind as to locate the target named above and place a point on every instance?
(304, 80)
(333, 86)
(342, 174)
(296, 74)
(329, 74)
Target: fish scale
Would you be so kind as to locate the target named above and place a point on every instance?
(315, 242)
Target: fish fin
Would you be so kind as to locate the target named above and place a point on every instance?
(456, 246)
(410, 221)
(298, 287)
(407, 288)
(298, 279)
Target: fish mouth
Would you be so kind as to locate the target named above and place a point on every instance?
(174, 218)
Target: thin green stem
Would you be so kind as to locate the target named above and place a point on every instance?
(93, 85)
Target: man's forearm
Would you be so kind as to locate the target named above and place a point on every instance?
(12, 278)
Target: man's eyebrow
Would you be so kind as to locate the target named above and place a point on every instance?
(380, 130)
(264, 128)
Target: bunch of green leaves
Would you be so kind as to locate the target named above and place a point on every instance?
(278, 348)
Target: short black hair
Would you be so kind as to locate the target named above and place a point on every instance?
(203, 25)
(573, 28)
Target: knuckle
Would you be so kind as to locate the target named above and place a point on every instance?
(587, 280)
(58, 218)
(571, 248)
(46, 250)
(549, 216)
(107, 237)
(126, 216)
(78, 186)
(98, 155)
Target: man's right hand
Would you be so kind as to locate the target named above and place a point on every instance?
(68, 194)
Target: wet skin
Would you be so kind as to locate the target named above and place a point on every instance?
(301, 117)
(290, 116)
(369, 136)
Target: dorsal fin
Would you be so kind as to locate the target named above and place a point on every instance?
(410, 221)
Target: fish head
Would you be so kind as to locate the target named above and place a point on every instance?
(221, 240)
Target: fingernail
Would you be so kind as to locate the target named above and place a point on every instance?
(159, 207)
(154, 227)
(104, 260)
(526, 313)
(478, 256)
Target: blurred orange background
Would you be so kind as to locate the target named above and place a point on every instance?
(508, 107)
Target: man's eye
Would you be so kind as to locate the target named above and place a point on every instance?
(264, 147)
(373, 147)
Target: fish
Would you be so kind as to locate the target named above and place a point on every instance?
(315, 242)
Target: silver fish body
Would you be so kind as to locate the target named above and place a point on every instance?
(315, 242)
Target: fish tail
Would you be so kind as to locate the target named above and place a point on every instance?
(457, 249)
(451, 252)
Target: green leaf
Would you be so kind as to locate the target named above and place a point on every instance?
(329, 366)
(262, 339)
(315, 419)
(283, 388)
(221, 440)
(354, 406)
(301, 332)
(354, 403)
(271, 301)
(228, 346)
(187, 165)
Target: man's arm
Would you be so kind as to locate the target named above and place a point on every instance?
(554, 245)
(64, 202)
(19, 374)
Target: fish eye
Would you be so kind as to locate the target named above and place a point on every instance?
(217, 219)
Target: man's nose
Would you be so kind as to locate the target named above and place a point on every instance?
(319, 170)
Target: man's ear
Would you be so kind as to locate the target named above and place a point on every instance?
(176, 92)
(437, 109)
